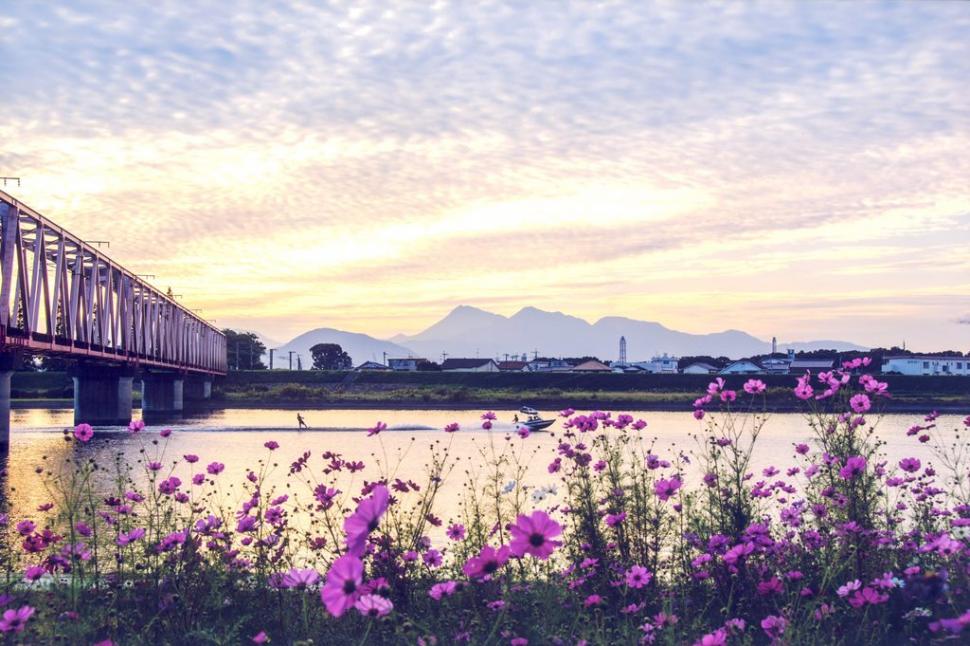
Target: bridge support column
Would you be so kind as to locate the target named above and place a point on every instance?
(7, 361)
(161, 396)
(102, 395)
(197, 388)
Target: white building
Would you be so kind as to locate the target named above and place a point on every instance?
(743, 367)
(469, 365)
(661, 365)
(920, 365)
(408, 364)
(700, 369)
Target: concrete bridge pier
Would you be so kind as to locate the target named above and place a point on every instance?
(7, 362)
(197, 388)
(102, 394)
(161, 396)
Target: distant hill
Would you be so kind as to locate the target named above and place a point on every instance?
(360, 347)
(468, 332)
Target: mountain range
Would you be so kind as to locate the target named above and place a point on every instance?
(472, 332)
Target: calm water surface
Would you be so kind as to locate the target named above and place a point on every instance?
(235, 437)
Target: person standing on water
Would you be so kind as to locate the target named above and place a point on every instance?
(301, 422)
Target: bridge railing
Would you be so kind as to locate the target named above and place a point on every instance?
(59, 295)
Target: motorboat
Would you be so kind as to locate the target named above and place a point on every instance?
(533, 420)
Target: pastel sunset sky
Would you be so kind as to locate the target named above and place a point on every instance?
(799, 170)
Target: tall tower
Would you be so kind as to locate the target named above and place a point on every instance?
(774, 344)
(622, 349)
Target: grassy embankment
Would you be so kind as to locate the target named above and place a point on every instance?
(490, 390)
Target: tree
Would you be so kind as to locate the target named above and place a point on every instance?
(244, 350)
(330, 356)
(428, 366)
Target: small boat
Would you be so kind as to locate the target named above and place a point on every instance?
(533, 421)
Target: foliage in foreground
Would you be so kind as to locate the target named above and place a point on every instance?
(631, 546)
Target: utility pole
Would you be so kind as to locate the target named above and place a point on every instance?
(444, 355)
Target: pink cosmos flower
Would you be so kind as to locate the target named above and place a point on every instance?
(754, 386)
(340, 592)
(297, 578)
(535, 535)
(377, 428)
(637, 577)
(860, 403)
(373, 605)
(699, 414)
(16, 620)
(716, 638)
(451, 428)
(136, 426)
(272, 445)
(523, 431)
(260, 637)
(190, 458)
(456, 532)
(488, 416)
(126, 538)
(804, 390)
(488, 561)
(26, 527)
(362, 522)
(83, 432)
(165, 432)
(854, 466)
(910, 465)
(666, 488)
(612, 520)
(774, 626)
(33, 573)
(592, 600)
(215, 468)
(444, 589)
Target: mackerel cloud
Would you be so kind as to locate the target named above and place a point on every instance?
(368, 164)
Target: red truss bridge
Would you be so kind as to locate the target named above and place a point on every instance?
(63, 297)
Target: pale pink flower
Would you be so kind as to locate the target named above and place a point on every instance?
(340, 592)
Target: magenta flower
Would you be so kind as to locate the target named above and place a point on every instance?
(612, 520)
(165, 432)
(25, 527)
(190, 458)
(83, 432)
(374, 605)
(215, 468)
(854, 466)
(456, 532)
(535, 535)
(272, 445)
(260, 637)
(910, 465)
(488, 416)
(440, 590)
(488, 561)
(297, 578)
(136, 426)
(774, 626)
(716, 638)
(126, 538)
(451, 428)
(860, 403)
(804, 390)
(637, 577)
(666, 488)
(342, 588)
(699, 414)
(34, 572)
(15, 620)
(377, 428)
(362, 522)
(754, 386)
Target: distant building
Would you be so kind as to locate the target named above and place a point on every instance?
(776, 365)
(549, 365)
(743, 367)
(800, 366)
(699, 368)
(409, 364)
(774, 345)
(371, 365)
(661, 365)
(469, 365)
(622, 358)
(513, 366)
(592, 366)
(923, 365)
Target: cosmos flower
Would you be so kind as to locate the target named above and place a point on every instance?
(377, 428)
(488, 561)
(342, 588)
(373, 605)
(365, 519)
(637, 577)
(83, 432)
(535, 534)
(297, 578)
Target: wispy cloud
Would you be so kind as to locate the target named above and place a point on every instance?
(299, 165)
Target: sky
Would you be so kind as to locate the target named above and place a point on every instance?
(797, 170)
